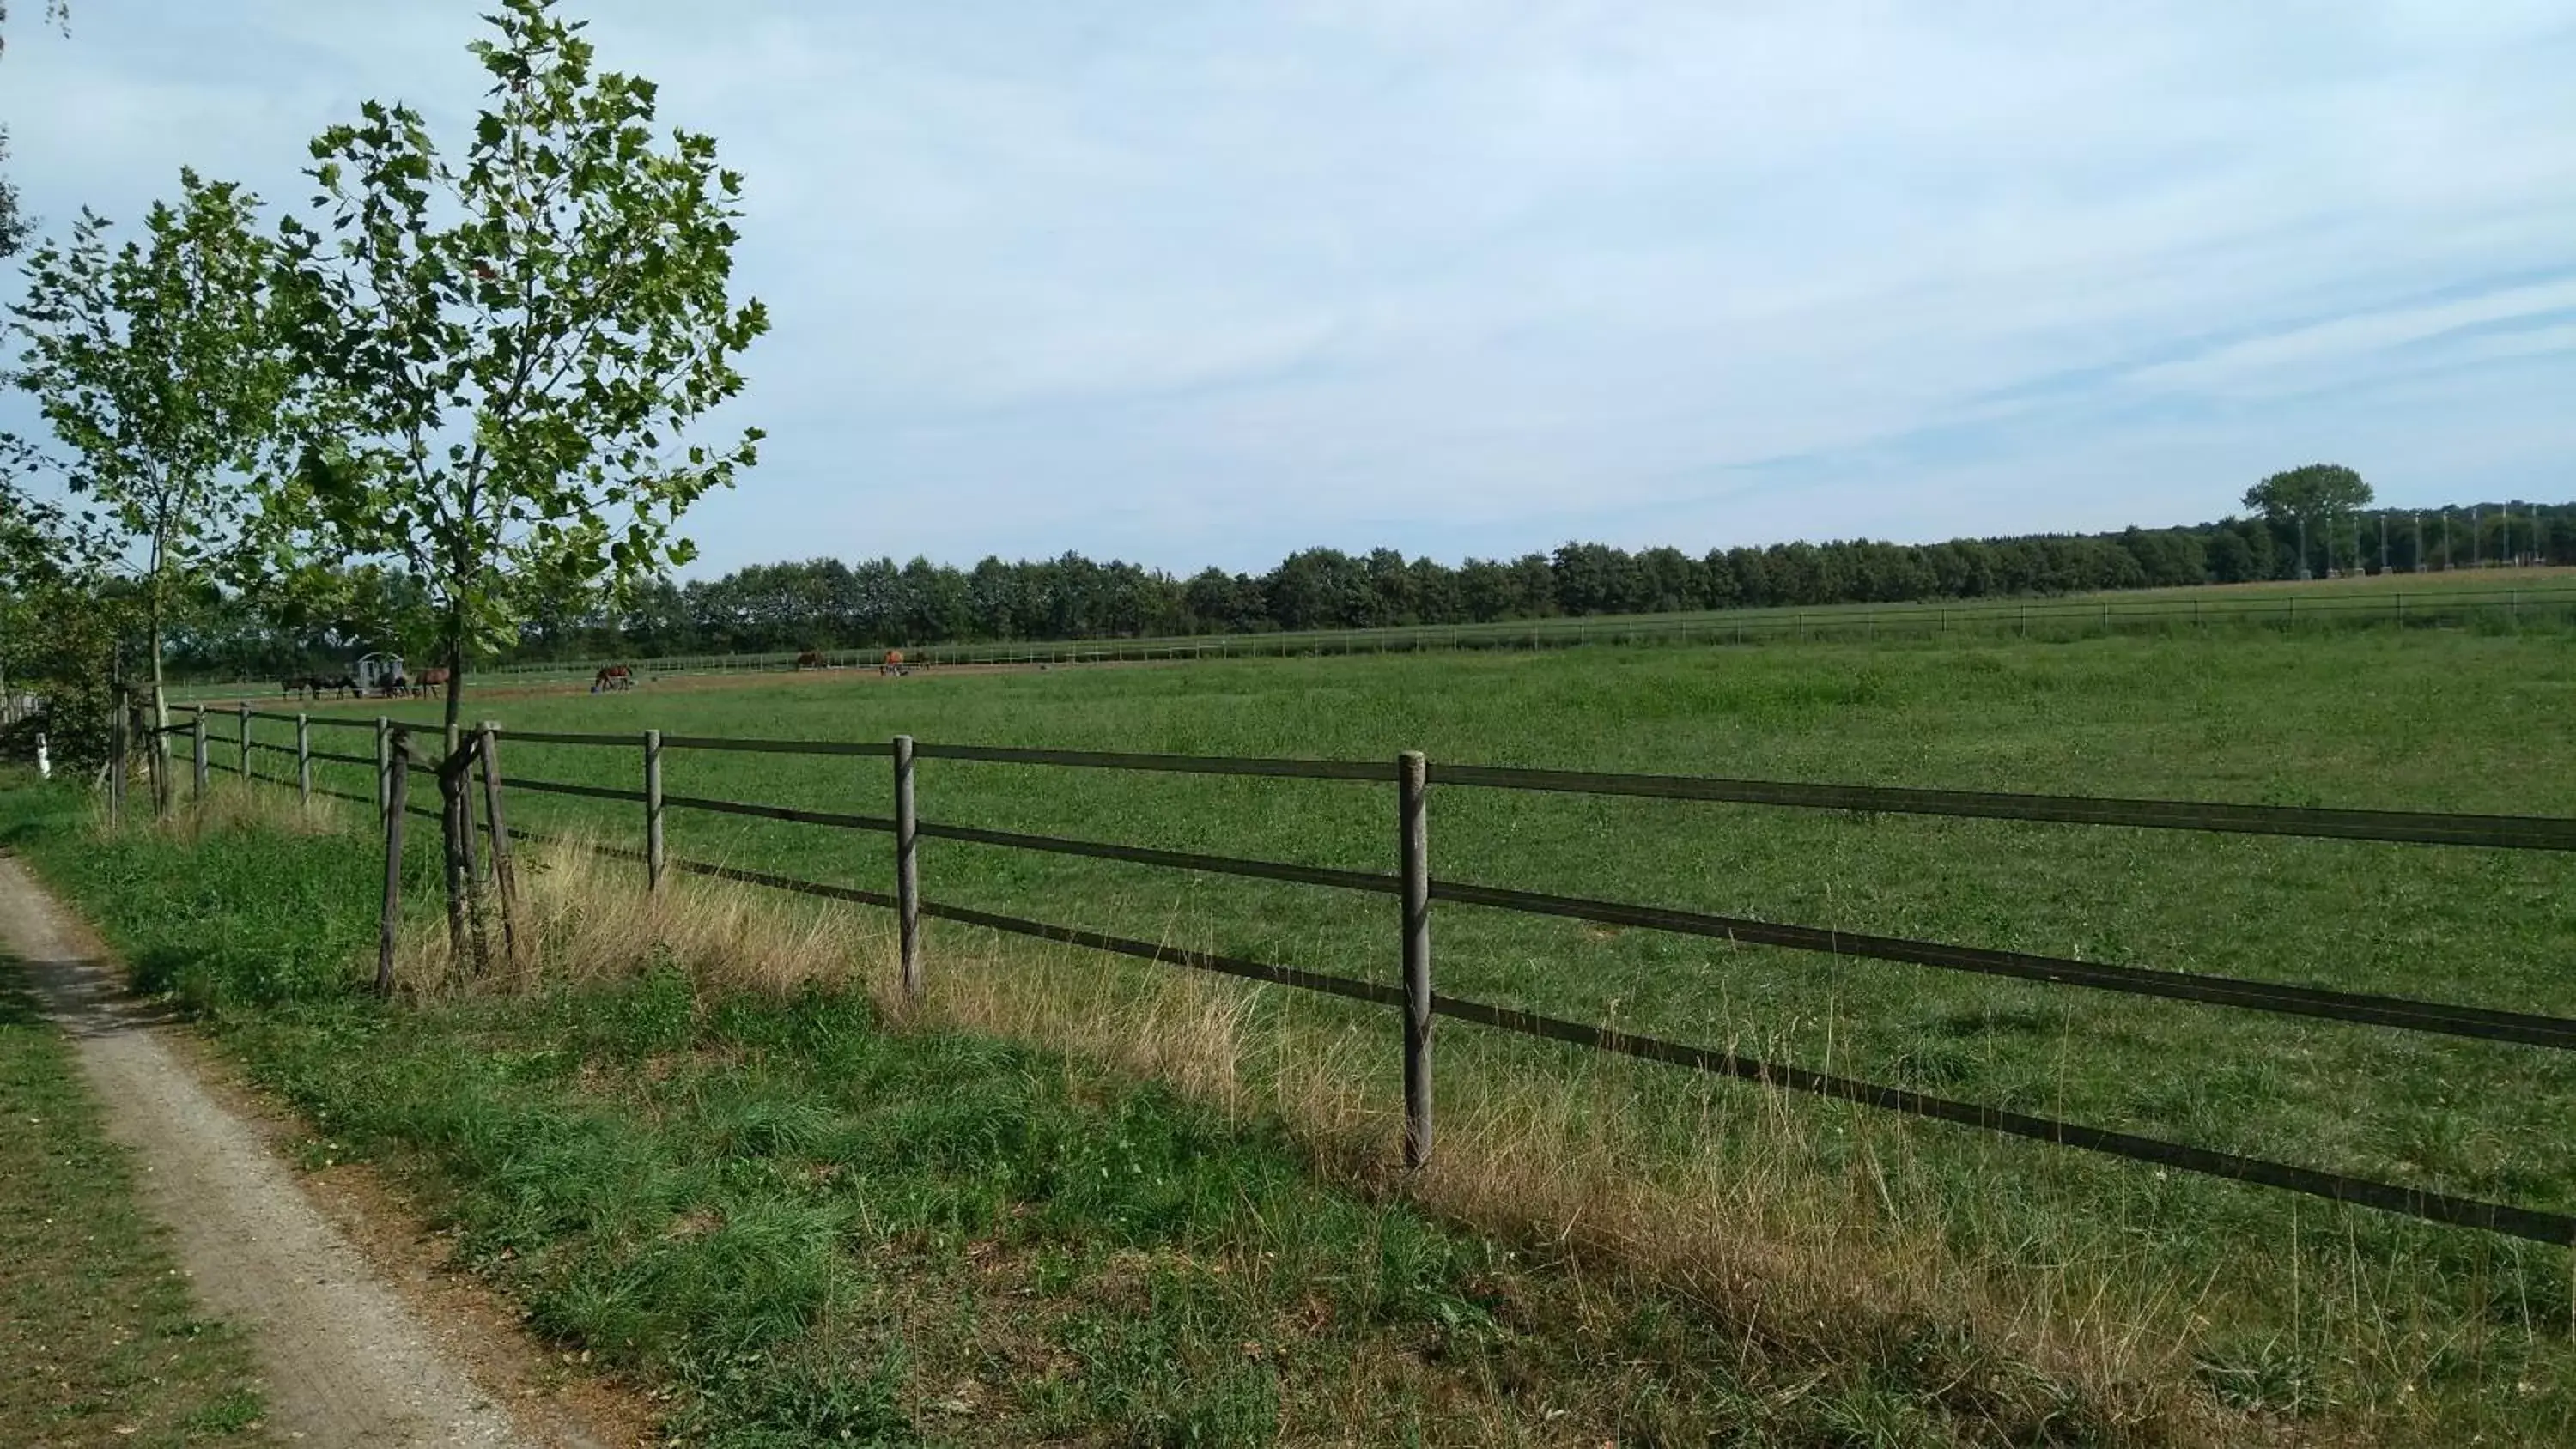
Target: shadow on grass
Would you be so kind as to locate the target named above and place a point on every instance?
(165, 969)
(17, 1006)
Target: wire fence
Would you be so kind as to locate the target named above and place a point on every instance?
(1412, 992)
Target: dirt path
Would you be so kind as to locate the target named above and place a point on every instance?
(346, 1359)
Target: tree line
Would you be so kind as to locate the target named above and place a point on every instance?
(827, 603)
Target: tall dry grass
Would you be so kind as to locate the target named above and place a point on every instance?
(229, 804)
(1550, 1151)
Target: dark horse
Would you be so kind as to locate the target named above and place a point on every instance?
(812, 659)
(314, 686)
(615, 676)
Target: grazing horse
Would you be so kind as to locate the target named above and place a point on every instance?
(314, 686)
(429, 679)
(615, 676)
(811, 659)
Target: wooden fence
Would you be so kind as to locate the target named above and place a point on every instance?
(1412, 995)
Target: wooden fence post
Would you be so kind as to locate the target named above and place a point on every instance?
(505, 879)
(1414, 860)
(304, 758)
(459, 762)
(384, 766)
(242, 738)
(654, 858)
(116, 765)
(452, 837)
(397, 802)
(197, 742)
(156, 758)
(907, 867)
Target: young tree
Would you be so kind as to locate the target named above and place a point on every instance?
(507, 348)
(156, 365)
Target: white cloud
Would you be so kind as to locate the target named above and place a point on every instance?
(2265, 364)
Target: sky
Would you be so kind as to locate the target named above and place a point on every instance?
(1208, 283)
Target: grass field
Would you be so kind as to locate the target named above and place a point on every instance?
(97, 1334)
(2290, 1306)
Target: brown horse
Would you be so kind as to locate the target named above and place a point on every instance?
(428, 680)
(615, 676)
(811, 659)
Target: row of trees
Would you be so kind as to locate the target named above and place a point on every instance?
(826, 603)
(457, 386)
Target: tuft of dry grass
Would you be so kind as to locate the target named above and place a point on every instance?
(581, 918)
(229, 805)
(1808, 1265)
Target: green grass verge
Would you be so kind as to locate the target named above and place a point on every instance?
(98, 1338)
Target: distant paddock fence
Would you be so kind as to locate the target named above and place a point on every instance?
(2549, 606)
(1411, 994)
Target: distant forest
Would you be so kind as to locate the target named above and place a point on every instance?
(825, 603)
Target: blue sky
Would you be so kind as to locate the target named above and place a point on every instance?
(1194, 284)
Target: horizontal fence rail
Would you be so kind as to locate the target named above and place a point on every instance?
(2347, 1006)
(787, 813)
(1416, 883)
(770, 747)
(1342, 986)
(546, 737)
(589, 792)
(2512, 832)
(1168, 764)
(1349, 880)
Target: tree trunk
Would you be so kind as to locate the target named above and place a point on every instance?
(455, 680)
(160, 700)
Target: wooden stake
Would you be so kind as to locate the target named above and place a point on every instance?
(1414, 861)
(907, 867)
(505, 880)
(398, 798)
